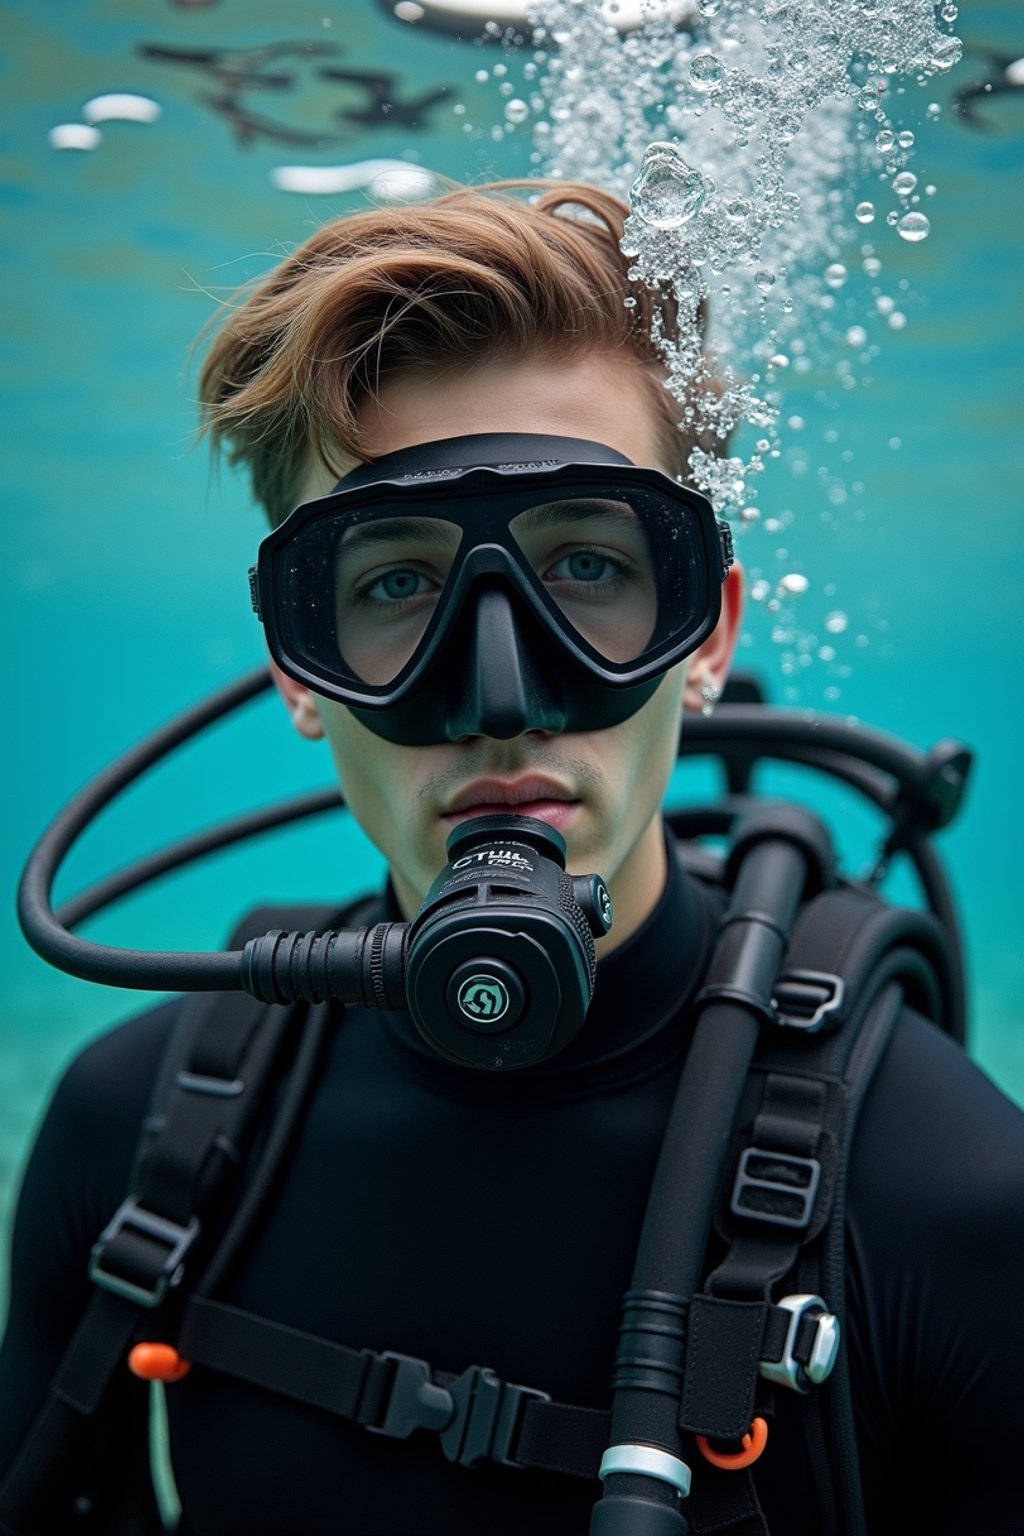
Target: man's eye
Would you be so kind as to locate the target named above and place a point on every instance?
(585, 565)
(397, 586)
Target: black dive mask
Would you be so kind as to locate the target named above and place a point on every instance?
(492, 585)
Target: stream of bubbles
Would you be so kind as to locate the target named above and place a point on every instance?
(740, 131)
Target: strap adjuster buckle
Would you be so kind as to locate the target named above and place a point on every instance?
(808, 1001)
(133, 1217)
(476, 1417)
(776, 1187)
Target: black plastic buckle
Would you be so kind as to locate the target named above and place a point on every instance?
(476, 1417)
(414, 1402)
(776, 1187)
(808, 1001)
(133, 1216)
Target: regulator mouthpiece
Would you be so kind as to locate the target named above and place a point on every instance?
(501, 961)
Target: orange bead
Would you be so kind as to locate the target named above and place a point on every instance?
(753, 1444)
(158, 1362)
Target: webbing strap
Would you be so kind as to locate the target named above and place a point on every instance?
(724, 1503)
(361, 1386)
(98, 1346)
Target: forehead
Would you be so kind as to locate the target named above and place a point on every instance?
(600, 398)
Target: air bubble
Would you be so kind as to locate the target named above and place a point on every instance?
(516, 111)
(948, 52)
(904, 183)
(795, 583)
(705, 72)
(856, 336)
(905, 140)
(667, 193)
(885, 140)
(738, 209)
(836, 274)
(864, 213)
(913, 227)
(836, 621)
(765, 281)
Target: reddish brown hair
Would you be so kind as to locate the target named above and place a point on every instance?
(475, 275)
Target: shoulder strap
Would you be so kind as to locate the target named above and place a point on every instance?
(220, 1066)
(851, 963)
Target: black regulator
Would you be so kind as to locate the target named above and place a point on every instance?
(500, 968)
(497, 968)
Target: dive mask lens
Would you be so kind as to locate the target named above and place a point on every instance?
(618, 568)
(357, 595)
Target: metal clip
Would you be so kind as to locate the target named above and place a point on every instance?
(801, 1375)
(808, 1001)
(134, 1217)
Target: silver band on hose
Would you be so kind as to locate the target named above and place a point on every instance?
(647, 1461)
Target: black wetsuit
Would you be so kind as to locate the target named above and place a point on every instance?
(465, 1218)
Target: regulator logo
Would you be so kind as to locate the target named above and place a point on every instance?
(483, 997)
(495, 858)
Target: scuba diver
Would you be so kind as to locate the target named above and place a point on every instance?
(579, 1176)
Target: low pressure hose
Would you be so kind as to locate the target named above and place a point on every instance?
(775, 863)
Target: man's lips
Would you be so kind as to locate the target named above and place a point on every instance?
(532, 795)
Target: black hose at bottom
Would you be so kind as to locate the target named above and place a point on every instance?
(772, 873)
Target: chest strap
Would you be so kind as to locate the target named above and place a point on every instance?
(476, 1416)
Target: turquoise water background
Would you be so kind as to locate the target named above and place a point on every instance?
(124, 567)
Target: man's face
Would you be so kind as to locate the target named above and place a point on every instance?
(601, 789)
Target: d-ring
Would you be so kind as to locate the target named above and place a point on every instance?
(754, 1442)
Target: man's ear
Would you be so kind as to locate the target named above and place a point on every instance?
(300, 704)
(709, 665)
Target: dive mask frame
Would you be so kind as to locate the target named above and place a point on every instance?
(531, 667)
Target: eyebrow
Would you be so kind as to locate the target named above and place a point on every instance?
(428, 530)
(579, 510)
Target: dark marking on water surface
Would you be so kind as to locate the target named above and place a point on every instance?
(1005, 74)
(283, 69)
(382, 103)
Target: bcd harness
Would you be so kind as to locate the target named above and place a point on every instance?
(851, 964)
(807, 978)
